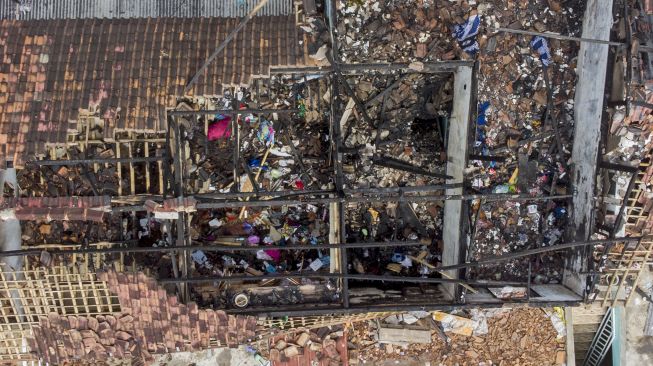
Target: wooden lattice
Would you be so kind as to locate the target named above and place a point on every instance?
(623, 277)
(38, 291)
(638, 212)
(311, 322)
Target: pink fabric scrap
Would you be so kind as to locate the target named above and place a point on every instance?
(220, 130)
(275, 254)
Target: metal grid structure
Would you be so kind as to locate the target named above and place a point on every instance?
(174, 183)
(148, 153)
(337, 198)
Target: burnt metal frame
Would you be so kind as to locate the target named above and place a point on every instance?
(341, 195)
(335, 73)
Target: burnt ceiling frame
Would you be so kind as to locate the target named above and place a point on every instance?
(336, 72)
(340, 196)
(337, 197)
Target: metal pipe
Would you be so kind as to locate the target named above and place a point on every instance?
(397, 164)
(349, 199)
(525, 253)
(98, 161)
(301, 309)
(558, 36)
(429, 67)
(208, 247)
(230, 279)
(410, 189)
(373, 190)
(404, 198)
(487, 157)
(234, 111)
(619, 167)
(263, 193)
(224, 44)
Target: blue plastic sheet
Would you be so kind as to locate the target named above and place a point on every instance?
(540, 45)
(466, 34)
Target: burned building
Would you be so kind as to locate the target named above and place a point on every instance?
(171, 173)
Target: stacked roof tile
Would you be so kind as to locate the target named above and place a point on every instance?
(123, 71)
(58, 339)
(317, 348)
(152, 321)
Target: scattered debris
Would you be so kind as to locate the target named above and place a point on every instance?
(525, 335)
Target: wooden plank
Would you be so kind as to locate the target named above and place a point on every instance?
(132, 173)
(570, 349)
(639, 273)
(622, 280)
(147, 168)
(404, 336)
(347, 113)
(586, 319)
(586, 328)
(583, 337)
(119, 169)
(160, 171)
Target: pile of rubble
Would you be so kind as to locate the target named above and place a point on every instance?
(504, 227)
(297, 225)
(394, 222)
(391, 30)
(399, 139)
(323, 346)
(525, 94)
(520, 336)
(84, 338)
(421, 30)
(277, 151)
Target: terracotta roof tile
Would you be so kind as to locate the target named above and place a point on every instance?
(124, 71)
(159, 324)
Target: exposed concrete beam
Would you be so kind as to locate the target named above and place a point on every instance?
(588, 110)
(456, 158)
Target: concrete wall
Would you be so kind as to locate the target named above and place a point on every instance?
(456, 159)
(588, 110)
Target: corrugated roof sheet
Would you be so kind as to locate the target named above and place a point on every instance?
(86, 9)
(124, 71)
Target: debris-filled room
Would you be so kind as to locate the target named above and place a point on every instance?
(318, 158)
